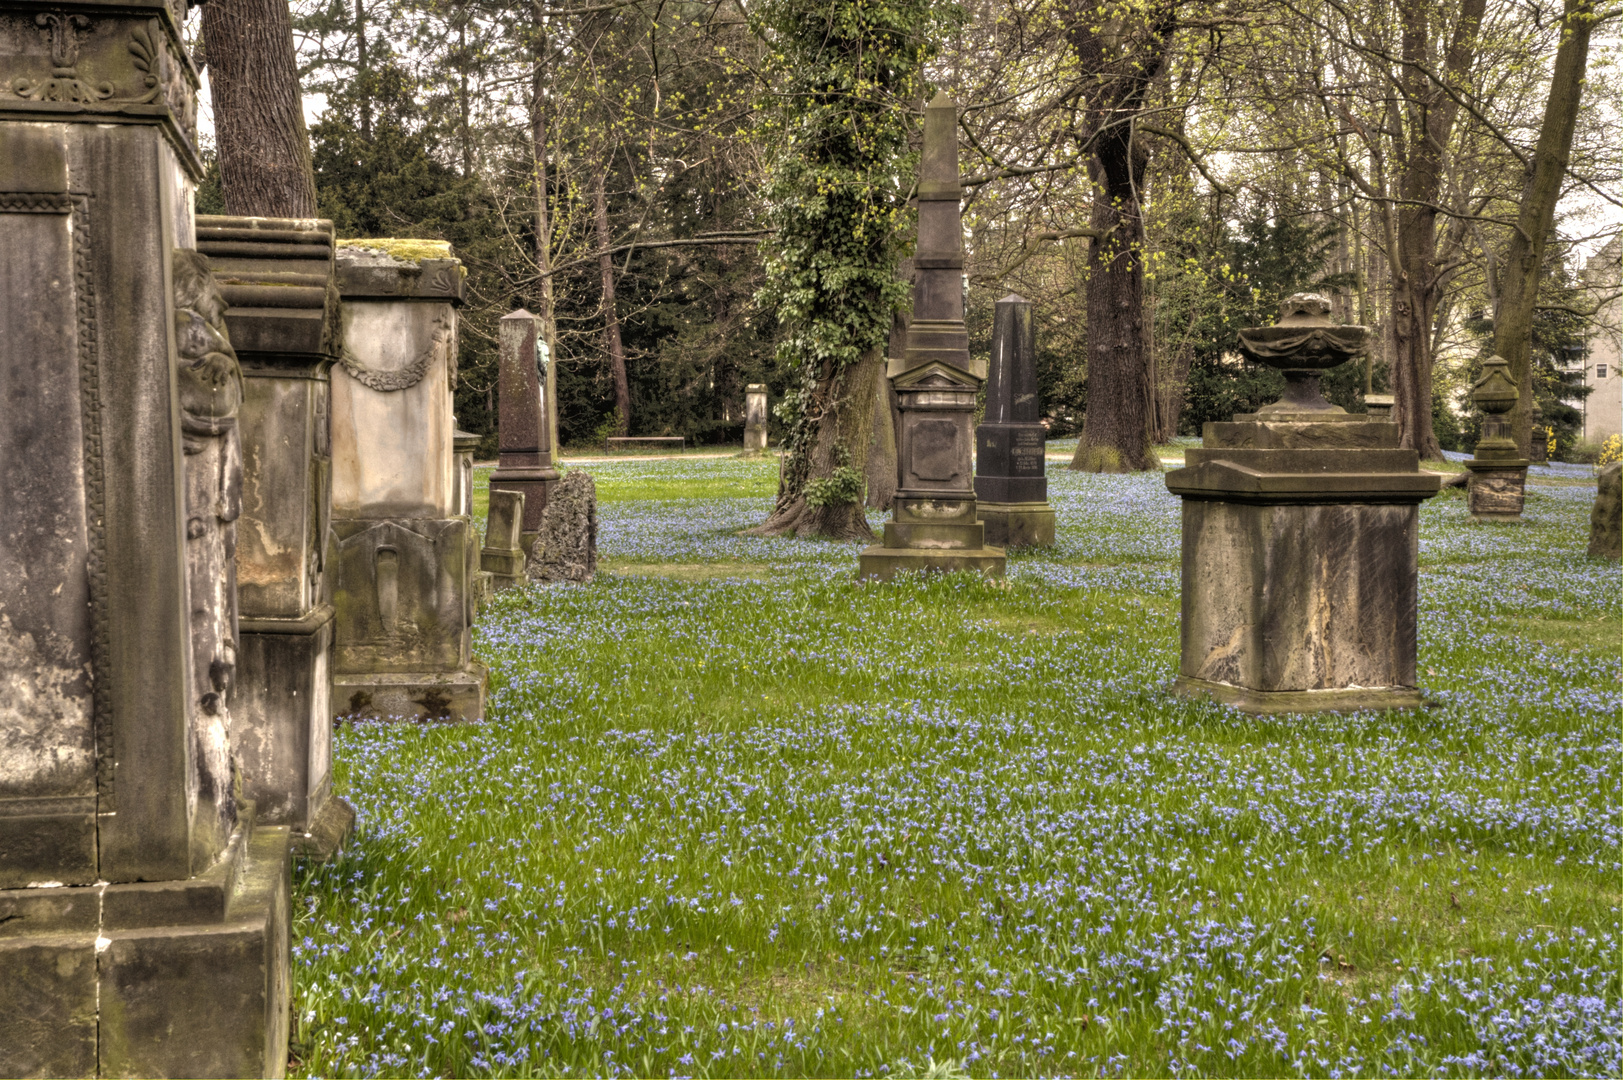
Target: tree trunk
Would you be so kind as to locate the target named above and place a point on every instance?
(264, 149)
(844, 430)
(1175, 387)
(547, 312)
(1428, 125)
(1123, 48)
(611, 318)
(1524, 262)
(1414, 300)
(463, 105)
(1115, 431)
(363, 70)
(881, 465)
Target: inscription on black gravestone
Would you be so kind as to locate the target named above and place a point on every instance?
(1028, 451)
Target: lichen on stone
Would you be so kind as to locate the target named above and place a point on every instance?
(407, 250)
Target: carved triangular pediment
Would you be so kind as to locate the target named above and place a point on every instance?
(934, 374)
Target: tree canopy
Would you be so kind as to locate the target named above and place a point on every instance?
(700, 194)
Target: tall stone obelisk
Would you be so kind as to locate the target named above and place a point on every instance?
(933, 523)
(526, 464)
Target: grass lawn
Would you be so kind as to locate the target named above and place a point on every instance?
(733, 814)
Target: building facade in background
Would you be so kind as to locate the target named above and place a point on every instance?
(1603, 408)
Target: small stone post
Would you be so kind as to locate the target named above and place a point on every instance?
(755, 418)
(463, 443)
(526, 437)
(1606, 516)
(408, 560)
(502, 557)
(1498, 471)
(144, 913)
(1301, 540)
(1010, 482)
(933, 522)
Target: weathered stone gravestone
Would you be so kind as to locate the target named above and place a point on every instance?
(277, 276)
(407, 559)
(1011, 485)
(526, 464)
(143, 913)
(1498, 471)
(933, 522)
(566, 547)
(1300, 541)
(502, 556)
(1606, 518)
(755, 418)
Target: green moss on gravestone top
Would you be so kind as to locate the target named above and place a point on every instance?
(415, 251)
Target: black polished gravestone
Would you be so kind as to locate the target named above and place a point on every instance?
(1011, 487)
(933, 524)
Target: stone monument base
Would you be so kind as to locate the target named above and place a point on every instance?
(448, 696)
(282, 727)
(503, 569)
(1017, 525)
(1498, 490)
(160, 978)
(934, 535)
(883, 562)
(1267, 702)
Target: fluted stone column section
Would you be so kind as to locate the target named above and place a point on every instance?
(1010, 480)
(934, 524)
(526, 464)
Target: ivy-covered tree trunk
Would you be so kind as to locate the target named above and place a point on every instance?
(846, 76)
(829, 502)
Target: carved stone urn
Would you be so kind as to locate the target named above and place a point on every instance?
(1303, 345)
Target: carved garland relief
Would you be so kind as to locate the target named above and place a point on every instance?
(409, 376)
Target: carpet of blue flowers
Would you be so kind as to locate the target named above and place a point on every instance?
(733, 813)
